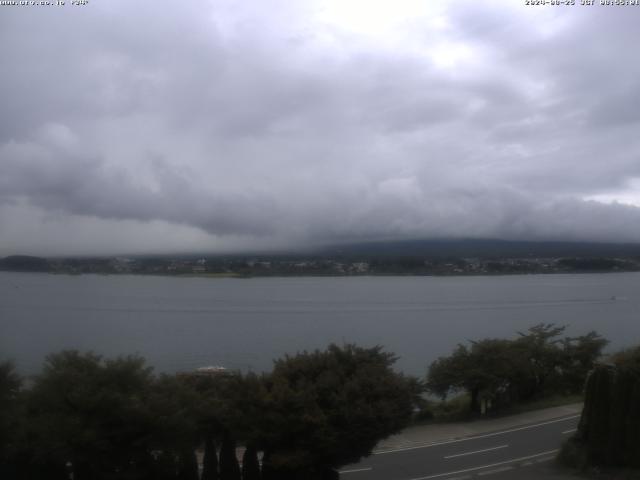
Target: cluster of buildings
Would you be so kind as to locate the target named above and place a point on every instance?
(392, 265)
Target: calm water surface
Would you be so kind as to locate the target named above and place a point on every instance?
(183, 323)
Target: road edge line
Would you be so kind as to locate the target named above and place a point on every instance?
(513, 460)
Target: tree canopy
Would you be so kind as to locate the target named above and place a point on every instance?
(113, 418)
(505, 371)
(329, 408)
(10, 384)
(315, 411)
(92, 413)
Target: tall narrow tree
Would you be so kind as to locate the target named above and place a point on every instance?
(229, 468)
(188, 465)
(250, 464)
(267, 471)
(10, 384)
(164, 467)
(210, 460)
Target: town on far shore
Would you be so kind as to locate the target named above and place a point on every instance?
(403, 257)
(264, 266)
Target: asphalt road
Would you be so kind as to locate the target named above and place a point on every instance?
(501, 454)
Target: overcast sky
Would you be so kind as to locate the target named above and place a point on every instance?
(153, 126)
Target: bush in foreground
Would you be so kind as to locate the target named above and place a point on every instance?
(104, 419)
(608, 434)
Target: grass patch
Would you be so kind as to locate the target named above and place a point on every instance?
(546, 402)
(454, 409)
(457, 409)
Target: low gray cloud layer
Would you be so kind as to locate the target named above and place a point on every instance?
(215, 125)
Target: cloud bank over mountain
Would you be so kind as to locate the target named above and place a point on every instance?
(217, 125)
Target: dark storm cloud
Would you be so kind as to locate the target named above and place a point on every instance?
(280, 123)
(89, 186)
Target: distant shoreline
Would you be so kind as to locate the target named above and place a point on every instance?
(328, 275)
(322, 265)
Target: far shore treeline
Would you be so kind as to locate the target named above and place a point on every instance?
(270, 266)
(99, 418)
(408, 257)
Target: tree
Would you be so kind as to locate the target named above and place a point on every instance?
(628, 358)
(165, 466)
(501, 371)
(250, 464)
(92, 413)
(609, 428)
(542, 358)
(485, 371)
(174, 405)
(580, 356)
(188, 469)
(210, 460)
(10, 416)
(227, 409)
(229, 468)
(329, 408)
(556, 365)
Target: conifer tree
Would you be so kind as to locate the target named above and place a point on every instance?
(229, 468)
(250, 464)
(210, 460)
(188, 465)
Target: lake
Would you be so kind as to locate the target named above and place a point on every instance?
(182, 323)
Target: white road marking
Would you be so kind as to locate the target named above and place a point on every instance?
(477, 451)
(569, 431)
(513, 460)
(486, 435)
(356, 470)
(495, 470)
